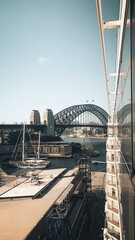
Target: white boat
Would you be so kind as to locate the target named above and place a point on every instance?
(26, 162)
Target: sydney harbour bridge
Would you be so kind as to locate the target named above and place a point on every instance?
(85, 115)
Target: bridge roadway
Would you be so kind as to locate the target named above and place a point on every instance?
(81, 125)
(12, 127)
(42, 127)
(59, 128)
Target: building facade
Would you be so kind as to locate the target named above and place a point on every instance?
(56, 149)
(50, 149)
(48, 120)
(120, 180)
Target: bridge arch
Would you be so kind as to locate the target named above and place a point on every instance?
(66, 116)
(123, 113)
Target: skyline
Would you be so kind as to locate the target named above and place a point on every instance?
(50, 57)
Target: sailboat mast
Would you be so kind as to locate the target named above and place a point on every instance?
(23, 141)
(39, 144)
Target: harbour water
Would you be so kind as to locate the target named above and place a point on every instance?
(69, 163)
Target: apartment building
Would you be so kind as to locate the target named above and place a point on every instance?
(120, 146)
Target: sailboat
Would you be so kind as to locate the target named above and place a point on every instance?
(27, 162)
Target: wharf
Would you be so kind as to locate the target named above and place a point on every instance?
(24, 204)
(5, 178)
(29, 186)
(20, 215)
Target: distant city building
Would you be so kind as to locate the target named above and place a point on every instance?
(55, 149)
(50, 149)
(35, 117)
(48, 120)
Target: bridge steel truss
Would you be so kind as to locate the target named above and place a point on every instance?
(123, 113)
(64, 118)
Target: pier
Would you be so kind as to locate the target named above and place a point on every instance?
(29, 203)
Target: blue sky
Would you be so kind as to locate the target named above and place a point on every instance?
(50, 56)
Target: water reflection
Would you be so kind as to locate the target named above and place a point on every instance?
(98, 144)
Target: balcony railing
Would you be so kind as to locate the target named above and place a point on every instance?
(112, 159)
(113, 196)
(113, 222)
(111, 171)
(114, 234)
(111, 183)
(114, 210)
(113, 147)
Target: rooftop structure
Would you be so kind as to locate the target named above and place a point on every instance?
(29, 186)
(20, 210)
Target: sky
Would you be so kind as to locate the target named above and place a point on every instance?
(50, 56)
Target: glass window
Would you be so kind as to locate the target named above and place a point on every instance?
(124, 100)
(133, 73)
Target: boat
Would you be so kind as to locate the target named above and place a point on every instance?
(29, 162)
(94, 162)
(95, 153)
